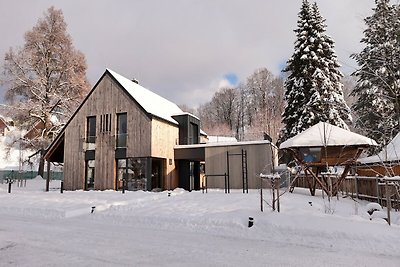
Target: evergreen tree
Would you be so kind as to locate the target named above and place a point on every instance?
(378, 76)
(313, 88)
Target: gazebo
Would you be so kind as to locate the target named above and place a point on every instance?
(325, 154)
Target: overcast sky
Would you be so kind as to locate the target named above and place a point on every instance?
(185, 50)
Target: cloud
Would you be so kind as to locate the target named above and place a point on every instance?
(182, 49)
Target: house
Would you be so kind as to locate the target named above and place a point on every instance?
(4, 128)
(321, 149)
(57, 117)
(124, 133)
(385, 163)
(125, 136)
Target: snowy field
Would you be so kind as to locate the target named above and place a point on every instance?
(40, 228)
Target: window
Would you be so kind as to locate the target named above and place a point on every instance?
(89, 183)
(194, 134)
(105, 123)
(122, 130)
(133, 170)
(91, 129)
(311, 154)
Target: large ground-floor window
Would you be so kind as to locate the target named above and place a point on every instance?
(132, 173)
(140, 173)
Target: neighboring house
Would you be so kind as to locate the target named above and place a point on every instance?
(125, 136)
(4, 128)
(57, 116)
(385, 163)
(124, 132)
(35, 131)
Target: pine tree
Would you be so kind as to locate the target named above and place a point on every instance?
(313, 88)
(378, 76)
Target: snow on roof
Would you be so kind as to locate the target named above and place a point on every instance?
(151, 102)
(216, 139)
(245, 143)
(186, 113)
(389, 153)
(325, 134)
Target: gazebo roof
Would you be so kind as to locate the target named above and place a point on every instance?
(325, 134)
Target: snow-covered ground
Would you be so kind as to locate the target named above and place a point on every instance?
(40, 228)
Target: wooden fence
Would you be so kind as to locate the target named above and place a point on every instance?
(372, 189)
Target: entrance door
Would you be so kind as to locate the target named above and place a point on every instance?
(157, 173)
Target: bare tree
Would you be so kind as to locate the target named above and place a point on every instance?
(218, 117)
(265, 100)
(45, 80)
(251, 111)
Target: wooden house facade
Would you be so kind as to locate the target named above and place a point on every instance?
(4, 129)
(385, 163)
(122, 135)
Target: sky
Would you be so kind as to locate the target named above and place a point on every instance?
(185, 50)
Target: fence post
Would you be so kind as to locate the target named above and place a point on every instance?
(377, 191)
(261, 194)
(273, 193)
(277, 192)
(388, 201)
(356, 184)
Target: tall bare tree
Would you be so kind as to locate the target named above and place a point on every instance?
(45, 80)
(265, 100)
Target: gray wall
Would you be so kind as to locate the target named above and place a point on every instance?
(259, 160)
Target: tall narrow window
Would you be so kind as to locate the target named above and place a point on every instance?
(122, 130)
(194, 134)
(91, 129)
(89, 175)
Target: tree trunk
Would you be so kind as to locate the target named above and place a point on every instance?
(41, 164)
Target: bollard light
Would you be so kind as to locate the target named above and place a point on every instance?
(251, 222)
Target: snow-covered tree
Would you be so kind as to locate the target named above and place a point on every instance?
(313, 87)
(45, 80)
(378, 77)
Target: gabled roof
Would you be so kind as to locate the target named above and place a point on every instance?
(149, 101)
(325, 134)
(391, 152)
(4, 122)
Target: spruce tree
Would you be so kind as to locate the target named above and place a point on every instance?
(378, 76)
(313, 88)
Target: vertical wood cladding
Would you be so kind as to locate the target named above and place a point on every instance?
(106, 100)
(163, 139)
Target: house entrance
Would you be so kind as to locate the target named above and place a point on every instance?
(157, 166)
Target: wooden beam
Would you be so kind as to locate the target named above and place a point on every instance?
(317, 179)
(335, 186)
